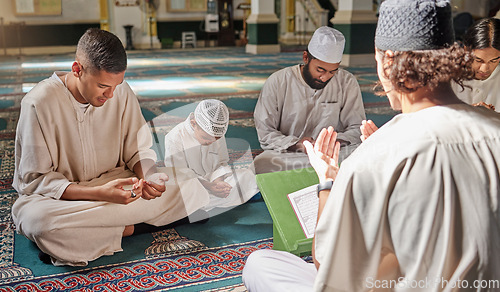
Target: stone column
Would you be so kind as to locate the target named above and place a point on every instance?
(288, 23)
(262, 28)
(104, 14)
(140, 20)
(357, 20)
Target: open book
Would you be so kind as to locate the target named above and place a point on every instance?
(305, 205)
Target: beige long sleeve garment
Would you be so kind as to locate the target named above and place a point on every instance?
(57, 144)
(426, 187)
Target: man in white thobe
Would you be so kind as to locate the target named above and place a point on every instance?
(196, 149)
(297, 102)
(84, 168)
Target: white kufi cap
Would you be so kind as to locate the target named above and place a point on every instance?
(212, 116)
(327, 45)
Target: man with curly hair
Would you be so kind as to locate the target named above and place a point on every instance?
(415, 207)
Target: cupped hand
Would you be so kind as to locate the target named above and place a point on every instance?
(114, 191)
(154, 186)
(220, 188)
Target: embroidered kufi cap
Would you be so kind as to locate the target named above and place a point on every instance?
(212, 116)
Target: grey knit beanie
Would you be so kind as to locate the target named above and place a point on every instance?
(409, 25)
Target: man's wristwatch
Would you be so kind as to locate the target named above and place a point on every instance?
(326, 185)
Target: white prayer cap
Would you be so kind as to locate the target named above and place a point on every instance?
(212, 116)
(327, 45)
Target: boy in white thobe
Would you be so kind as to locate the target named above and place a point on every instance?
(196, 149)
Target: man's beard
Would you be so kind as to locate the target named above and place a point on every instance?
(313, 83)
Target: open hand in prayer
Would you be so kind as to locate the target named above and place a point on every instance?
(367, 127)
(324, 155)
(154, 186)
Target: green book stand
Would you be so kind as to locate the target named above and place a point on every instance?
(274, 187)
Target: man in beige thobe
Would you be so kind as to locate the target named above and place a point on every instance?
(297, 102)
(84, 168)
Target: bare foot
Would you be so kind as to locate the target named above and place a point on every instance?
(129, 230)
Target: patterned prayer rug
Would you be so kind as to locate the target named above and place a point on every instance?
(195, 271)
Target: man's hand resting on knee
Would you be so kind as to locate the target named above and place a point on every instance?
(299, 146)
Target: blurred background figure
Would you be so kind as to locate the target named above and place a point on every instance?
(196, 149)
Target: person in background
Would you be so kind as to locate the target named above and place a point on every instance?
(297, 102)
(84, 169)
(483, 40)
(421, 212)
